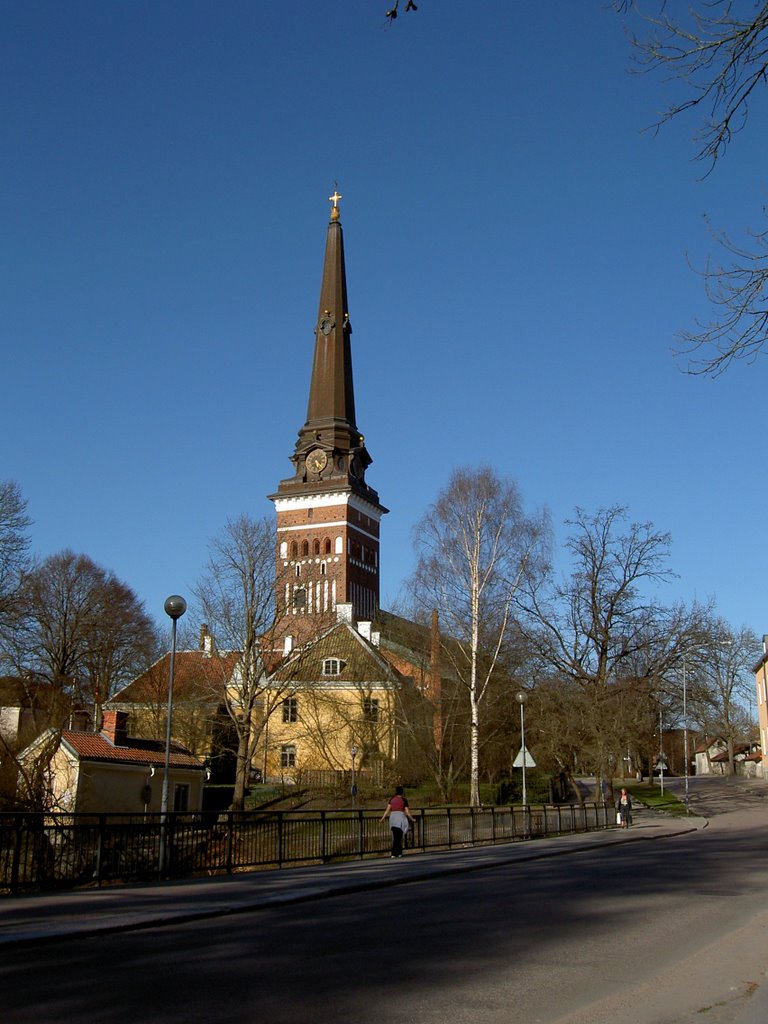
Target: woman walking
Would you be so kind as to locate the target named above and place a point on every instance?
(399, 820)
(624, 807)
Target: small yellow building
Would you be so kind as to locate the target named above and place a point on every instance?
(109, 772)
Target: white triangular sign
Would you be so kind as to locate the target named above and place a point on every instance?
(524, 753)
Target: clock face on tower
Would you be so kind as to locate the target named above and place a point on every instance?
(317, 460)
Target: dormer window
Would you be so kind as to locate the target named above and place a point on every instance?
(332, 666)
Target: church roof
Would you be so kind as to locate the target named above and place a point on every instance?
(197, 676)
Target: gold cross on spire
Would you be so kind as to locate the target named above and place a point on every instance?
(335, 198)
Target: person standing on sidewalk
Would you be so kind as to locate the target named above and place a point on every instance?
(400, 819)
(624, 807)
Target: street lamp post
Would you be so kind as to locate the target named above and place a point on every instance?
(685, 732)
(522, 696)
(175, 607)
(353, 752)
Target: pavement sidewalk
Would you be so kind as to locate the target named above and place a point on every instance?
(36, 918)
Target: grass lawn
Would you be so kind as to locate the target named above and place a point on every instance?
(651, 796)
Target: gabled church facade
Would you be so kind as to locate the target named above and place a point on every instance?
(339, 708)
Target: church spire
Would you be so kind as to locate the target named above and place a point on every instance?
(328, 517)
(330, 451)
(331, 405)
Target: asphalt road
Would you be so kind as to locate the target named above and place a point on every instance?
(666, 932)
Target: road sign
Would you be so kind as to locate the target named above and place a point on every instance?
(524, 758)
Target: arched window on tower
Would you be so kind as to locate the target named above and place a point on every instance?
(339, 545)
(305, 548)
(315, 547)
(327, 546)
(294, 549)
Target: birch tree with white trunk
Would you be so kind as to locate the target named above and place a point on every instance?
(476, 546)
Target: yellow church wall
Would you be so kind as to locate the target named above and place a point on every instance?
(329, 722)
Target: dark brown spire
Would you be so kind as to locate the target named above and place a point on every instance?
(331, 391)
(330, 451)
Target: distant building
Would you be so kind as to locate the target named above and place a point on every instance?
(761, 685)
(27, 708)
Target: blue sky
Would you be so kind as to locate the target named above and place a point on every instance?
(516, 258)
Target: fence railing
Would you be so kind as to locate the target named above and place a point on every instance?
(46, 850)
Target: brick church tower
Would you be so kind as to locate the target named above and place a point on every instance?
(328, 517)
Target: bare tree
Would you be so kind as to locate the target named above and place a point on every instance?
(717, 52)
(80, 628)
(602, 631)
(721, 684)
(14, 546)
(476, 547)
(236, 594)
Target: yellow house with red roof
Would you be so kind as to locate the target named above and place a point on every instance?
(201, 679)
(110, 772)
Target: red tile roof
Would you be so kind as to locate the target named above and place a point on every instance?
(91, 746)
(196, 677)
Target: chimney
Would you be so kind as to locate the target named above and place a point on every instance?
(344, 613)
(287, 645)
(376, 638)
(206, 640)
(364, 629)
(115, 727)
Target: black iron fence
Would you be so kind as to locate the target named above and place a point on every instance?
(45, 850)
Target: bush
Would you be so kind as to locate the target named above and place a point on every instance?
(510, 791)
